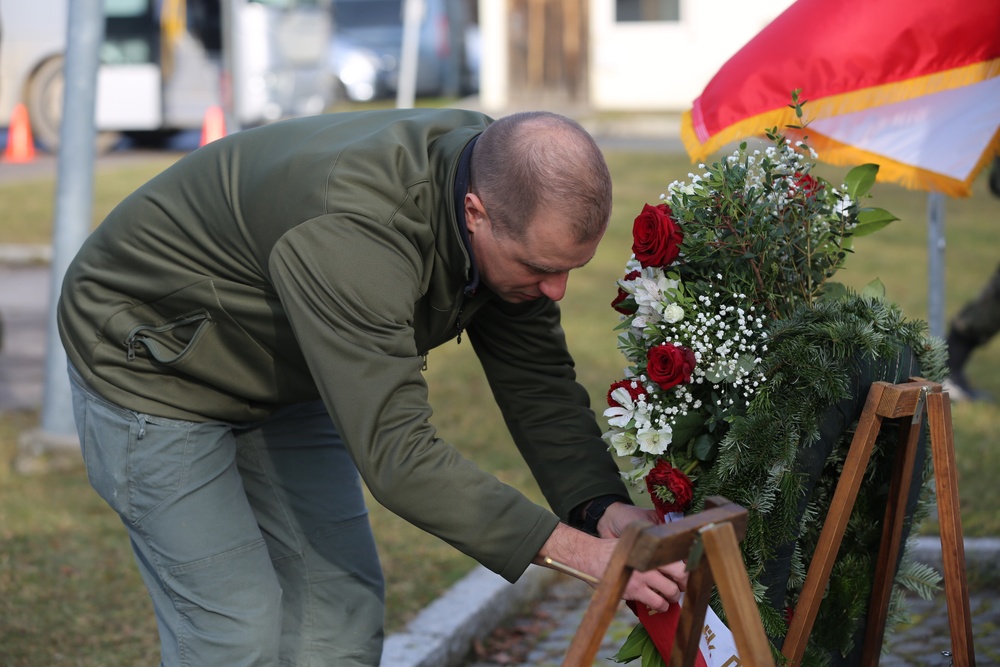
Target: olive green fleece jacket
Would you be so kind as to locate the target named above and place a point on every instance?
(322, 258)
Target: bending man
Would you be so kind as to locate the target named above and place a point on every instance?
(246, 334)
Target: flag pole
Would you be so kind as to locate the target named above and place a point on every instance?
(935, 263)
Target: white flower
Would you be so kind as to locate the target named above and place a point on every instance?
(654, 441)
(639, 322)
(628, 286)
(620, 415)
(673, 313)
(640, 468)
(652, 289)
(842, 205)
(623, 442)
(677, 188)
(653, 293)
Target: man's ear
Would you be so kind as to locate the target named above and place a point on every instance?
(475, 213)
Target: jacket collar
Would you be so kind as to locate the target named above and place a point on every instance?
(462, 178)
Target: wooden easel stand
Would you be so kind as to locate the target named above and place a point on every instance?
(714, 534)
(904, 402)
(710, 540)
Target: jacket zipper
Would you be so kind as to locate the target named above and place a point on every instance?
(458, 330)
(131, 343)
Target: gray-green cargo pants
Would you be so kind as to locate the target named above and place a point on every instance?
(253, 540)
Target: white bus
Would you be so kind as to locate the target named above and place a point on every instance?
(162, 63)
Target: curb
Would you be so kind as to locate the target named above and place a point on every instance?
(982, 556)
(443, 633)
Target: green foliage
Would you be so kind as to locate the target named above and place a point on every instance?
(919, 578)
(870, 220)
(639, 645)
(860, 179)
(772, 229)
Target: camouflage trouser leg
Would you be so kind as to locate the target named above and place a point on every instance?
(979, 319)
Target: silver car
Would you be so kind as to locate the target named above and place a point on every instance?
(366, 44)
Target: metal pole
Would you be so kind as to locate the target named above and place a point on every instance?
(406, 89)
(74, 192)
(232, 66)
(455, 67)
(935, 263)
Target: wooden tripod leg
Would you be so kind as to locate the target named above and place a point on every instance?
(723, 553)
(604, 604)
(892, 538)
(794, 647)
(692, 620)
(956, 586)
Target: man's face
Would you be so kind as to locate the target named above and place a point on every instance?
(525, 269)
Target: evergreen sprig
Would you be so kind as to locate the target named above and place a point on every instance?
(812, 370)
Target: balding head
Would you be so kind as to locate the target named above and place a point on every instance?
(538, 161)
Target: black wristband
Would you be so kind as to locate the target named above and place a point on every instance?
(594, 510)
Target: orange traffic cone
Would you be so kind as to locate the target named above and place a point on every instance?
(20, 144)
(214, 126)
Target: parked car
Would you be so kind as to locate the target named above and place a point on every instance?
(367, 41)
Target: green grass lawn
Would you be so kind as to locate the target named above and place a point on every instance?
(69, 594)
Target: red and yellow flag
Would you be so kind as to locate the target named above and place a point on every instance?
(913, 85)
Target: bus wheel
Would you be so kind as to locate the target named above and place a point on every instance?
(45, 101)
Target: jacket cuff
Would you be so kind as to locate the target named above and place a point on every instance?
(586, 515)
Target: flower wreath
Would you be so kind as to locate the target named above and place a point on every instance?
(737, 344)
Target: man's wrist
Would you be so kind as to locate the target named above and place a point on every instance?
(586, 516)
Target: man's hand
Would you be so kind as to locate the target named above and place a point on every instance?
(590, 555)
(619, 515)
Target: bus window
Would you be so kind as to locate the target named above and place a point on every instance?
(125, 7)
(130, 33)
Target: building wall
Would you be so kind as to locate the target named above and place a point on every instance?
(638, 66)
(660, 65)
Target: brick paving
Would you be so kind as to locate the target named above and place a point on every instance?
(540, 635)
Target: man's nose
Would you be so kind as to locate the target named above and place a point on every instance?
(554, 286)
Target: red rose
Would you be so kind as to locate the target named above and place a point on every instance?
(807, 183)
(634, 389)
(622, 295)
(670, 489)
(670, 365)
(656, 238)
(616, 303)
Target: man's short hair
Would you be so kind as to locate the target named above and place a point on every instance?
(533, 161)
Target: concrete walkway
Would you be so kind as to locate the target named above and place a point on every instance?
(541, 634)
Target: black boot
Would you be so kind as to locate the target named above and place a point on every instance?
(960, 348)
